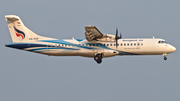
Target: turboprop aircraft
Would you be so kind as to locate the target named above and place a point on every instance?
(96, 45)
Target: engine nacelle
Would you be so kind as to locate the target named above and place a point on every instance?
(107, 38)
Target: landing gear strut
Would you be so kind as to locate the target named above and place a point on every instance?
(98, 58)
(165, 58)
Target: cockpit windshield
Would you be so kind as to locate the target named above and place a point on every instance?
(162, 42)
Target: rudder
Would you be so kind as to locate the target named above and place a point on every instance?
(19, 32)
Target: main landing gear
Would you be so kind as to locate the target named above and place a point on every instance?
(98, 58)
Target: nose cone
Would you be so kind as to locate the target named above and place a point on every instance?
(172, 48)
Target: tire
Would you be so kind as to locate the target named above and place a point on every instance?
(99, 61)
(98, 58)
(165, 58)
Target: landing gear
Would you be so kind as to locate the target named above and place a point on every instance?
(165, 58)
(98, 58)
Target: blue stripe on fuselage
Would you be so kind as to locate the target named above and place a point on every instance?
(66, 43)
(24, 45)
(52, 48)
(44, 46)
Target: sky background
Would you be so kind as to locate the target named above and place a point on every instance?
(26, 76)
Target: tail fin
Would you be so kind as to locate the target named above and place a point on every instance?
(19, 32)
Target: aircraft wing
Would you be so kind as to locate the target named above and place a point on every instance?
(92, 33)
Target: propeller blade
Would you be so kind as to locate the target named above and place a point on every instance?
(116, 38)
(116, 33)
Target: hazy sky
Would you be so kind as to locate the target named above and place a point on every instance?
(26, 76)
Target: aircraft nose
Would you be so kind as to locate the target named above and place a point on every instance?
(173, 48)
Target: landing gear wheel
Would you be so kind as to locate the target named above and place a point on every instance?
(165, 58)
(99, 61)
(98, 58)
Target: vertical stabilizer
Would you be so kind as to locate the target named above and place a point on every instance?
(19, 32)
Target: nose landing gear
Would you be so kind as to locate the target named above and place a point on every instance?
(165, 58)
(98, 58)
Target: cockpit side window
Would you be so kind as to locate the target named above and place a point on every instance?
(162, 42)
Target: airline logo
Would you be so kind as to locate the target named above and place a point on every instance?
(19, 33)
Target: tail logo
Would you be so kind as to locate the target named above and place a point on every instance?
(19, 33)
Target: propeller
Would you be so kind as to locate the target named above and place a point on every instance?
(117, 37)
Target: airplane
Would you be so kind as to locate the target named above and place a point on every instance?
(96, 45)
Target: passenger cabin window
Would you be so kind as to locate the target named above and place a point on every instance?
(124, 44)
(134, 44)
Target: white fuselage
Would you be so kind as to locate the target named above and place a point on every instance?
(80, 47)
